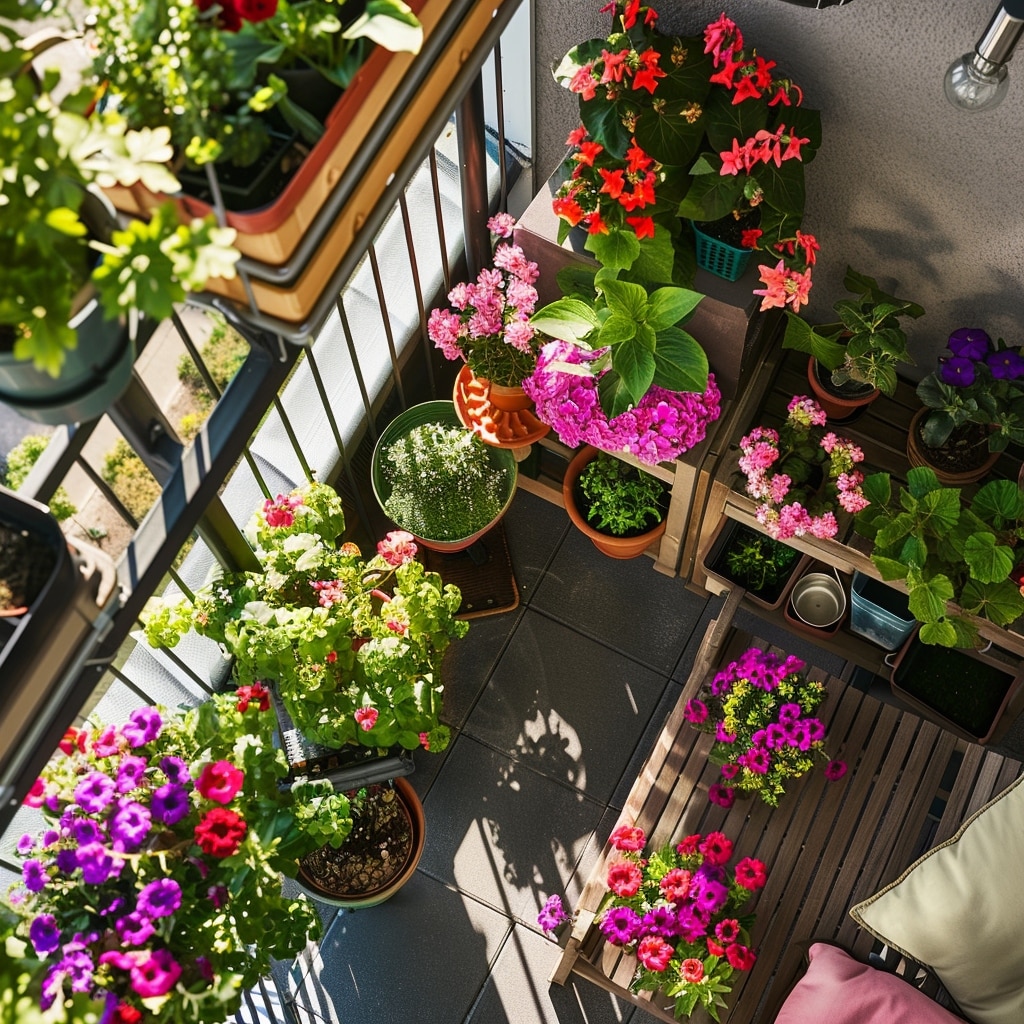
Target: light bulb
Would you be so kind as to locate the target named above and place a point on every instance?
(973, 83)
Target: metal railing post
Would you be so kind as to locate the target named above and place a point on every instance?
(471, 134)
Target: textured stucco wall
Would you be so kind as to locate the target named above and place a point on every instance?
(905, 187)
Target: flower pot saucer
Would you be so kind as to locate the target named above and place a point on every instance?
(493, 426)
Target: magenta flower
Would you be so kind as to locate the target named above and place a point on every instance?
(366, 717)
(170, 803)
(220, 782)
(130, 773)
(835, 770)
(130, 825)
(143, 726)
(98, 864)
(155, 976)
(552, 914)
(724, 796)
(695, 712)
(44, 934)
(94, 792)
(620, 925)
(159, 898)
(134, 929)
(280, 511)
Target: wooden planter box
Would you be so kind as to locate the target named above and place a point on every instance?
(271, 233)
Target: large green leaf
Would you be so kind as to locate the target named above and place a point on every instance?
(800, 335)
(988, 561)
(783, 186)
(946, 633)
(656, 261)
(619, 327)
(727, 121)
(805, 124)
(710, 197)
(939, 510)
(877, 488)
(625, 297)
(668, 306)
(634, 363)
(889, 568)
(921, 480)
(565, 319)
(1000, 602)
(999, 500)
(617, 250)
(603, 122)
(927, 601)
(680, 362)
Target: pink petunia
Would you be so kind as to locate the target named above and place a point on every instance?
(366, 717)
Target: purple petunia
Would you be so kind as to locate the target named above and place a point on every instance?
(696, 711)
(44, 934)
(175, 769)
(661, 920)
(66, 860)
(160, 898)
(79, 967)
(620, 925)
(170, 803)
(1006, 365)
(98, 863)
(87, 831)
(143, 726)
(692, 924)
(134, 929)
(130, 773)
(34, 875)
(130, 825)
(25, 843)
(708, 894)
(94, 792)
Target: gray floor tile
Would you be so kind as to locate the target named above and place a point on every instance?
(625, 604)
(534, 528)
(518, 992)
(567, 706)
(501, 832)
(423, 956)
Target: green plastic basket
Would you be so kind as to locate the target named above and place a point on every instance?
(719, 258)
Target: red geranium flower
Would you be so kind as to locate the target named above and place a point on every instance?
(220, 832)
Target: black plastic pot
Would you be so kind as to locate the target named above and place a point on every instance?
(969, 693)
(729, 534)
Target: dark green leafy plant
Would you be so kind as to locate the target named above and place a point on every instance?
(621, 499)
(867, 343)
(757, 561)
(945, 550)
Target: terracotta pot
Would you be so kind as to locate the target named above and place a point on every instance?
(613, 547)
(836, 407)
(414, 808)
(508, 399)
(917, 455)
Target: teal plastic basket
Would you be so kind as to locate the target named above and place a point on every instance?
(719, 258)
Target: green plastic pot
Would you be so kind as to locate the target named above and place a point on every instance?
(435, 412)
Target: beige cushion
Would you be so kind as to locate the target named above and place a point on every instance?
(960, 911)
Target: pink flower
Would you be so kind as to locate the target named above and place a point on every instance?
(624, 878)
(835, 770)
(366, 717)
(695, 712)
(155, 976)
(629, 838)
(397, 548)
(751, 874)
(739, 957)
(280, 511)
(220, 782)
(501, 224)
(716, 847)
(723, 796)
(692, 970)
(654, 953)
(675, 884)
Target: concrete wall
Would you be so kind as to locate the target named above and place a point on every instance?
(905, 187)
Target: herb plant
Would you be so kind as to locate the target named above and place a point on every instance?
(444, 486)
(620, 499)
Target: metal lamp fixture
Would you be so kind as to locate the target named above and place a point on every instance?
(978, 80)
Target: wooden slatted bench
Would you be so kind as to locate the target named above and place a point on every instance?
(827, 845)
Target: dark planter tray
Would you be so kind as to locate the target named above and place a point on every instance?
(966, 692)
(716, 565)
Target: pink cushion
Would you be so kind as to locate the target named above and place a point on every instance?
(836, 989)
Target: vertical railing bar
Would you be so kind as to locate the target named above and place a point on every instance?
(410, 246)
(108, 492)
(346, 462)
(470, 131)
(356, 368)
(382, 305)
(181, 585)
(193, 351)
(267, 1001)
(435, 183)
(251, 462)
(499, 99)
(287, 423)
(190, 672)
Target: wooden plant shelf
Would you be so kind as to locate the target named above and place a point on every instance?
(827, 846)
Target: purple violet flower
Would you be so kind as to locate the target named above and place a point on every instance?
(1006, 365)
(130, 773)
(66, 860)
(552, 914)
(969, 343)
(130, 825)
(956, 372)
(143, 726)
(176, 770)
(44, 934)
(98, 863)
(34, 875)
(170, 803)
(134, 929)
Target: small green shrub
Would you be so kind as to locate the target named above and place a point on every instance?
(136, 488)
(620, 499)
(223, 354)
(20, 460)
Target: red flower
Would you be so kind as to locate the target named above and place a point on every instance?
(256, 10)
(654, 953)
(614, 181)
(256, 694)
(34, 797)
(717, 848)
(740, 957)
(714, 949)
(576, 136)
(630, 13)
(588, 151)
(569, 210)
(646, 77)
(727, 931)
(675, 884)
(750, 237)
(126, 1014)
(366, 717)
(628, 837)
(220, 832)
(643, 226)
(220, 781)
(689, 845)
(624, 878)
(751, 873)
